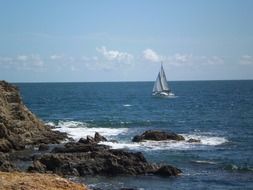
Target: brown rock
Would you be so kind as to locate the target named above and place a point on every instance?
(31, 181)
(19, 126)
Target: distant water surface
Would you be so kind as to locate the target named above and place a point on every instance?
(219, 113)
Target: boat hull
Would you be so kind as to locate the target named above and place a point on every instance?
(163, 94)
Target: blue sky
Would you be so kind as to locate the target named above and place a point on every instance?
(95, 40)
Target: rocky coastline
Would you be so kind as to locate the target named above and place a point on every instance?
(26, 139)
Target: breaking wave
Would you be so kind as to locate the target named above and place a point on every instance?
(76, 129)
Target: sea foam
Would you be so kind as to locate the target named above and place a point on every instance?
(206, 141)
(77, 130)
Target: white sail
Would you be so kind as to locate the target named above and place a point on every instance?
(164, 83)
(157, 86)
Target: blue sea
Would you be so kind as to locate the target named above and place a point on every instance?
(219, 113)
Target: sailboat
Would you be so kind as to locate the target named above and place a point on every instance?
(161, 87)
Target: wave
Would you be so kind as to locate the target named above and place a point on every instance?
(206, 140)
(170, 144)
(127, 105)
(204, 162)
(77, 130)
(234, 167)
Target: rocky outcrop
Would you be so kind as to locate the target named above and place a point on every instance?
(5, 164)
(82, 159)
(97, 138)
(157, 136)
(19, 126)
(28, 181)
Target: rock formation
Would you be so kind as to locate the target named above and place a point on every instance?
(89, 158)
(18, 125)
(157, 136)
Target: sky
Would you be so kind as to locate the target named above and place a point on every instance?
(126, 40)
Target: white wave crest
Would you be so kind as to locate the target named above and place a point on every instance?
(77, 130)
(170, 144)
(206, 140)
(127, 105)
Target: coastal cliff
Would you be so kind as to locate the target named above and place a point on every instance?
(18, 125)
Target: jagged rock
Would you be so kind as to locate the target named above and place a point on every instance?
(5, 164)
(95, 159)
(18, 125)
(194, 141)
(99, 138)
(90, 140)
(157, 136)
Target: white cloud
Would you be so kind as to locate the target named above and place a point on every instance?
(151, 55)
(214, 60)
(180, 59)
(22, 58)
(246, 60)
(22, 62)
(115, 55)
(55, 57)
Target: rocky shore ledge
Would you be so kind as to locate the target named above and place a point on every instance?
(28, 181)
(25, 139)
(87, 157)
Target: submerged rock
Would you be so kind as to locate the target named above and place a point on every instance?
(157, 136)
(18, 125)
(194, 141)
(81, 159)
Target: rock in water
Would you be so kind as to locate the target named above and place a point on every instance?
(193, 141)
(157, 136)
(18, 125)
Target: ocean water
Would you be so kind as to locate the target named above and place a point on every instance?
(219, 113)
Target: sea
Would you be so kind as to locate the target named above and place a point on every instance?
(219, 113)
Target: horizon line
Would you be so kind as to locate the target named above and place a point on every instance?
(196, 80)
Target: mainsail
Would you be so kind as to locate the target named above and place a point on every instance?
(161, 82)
